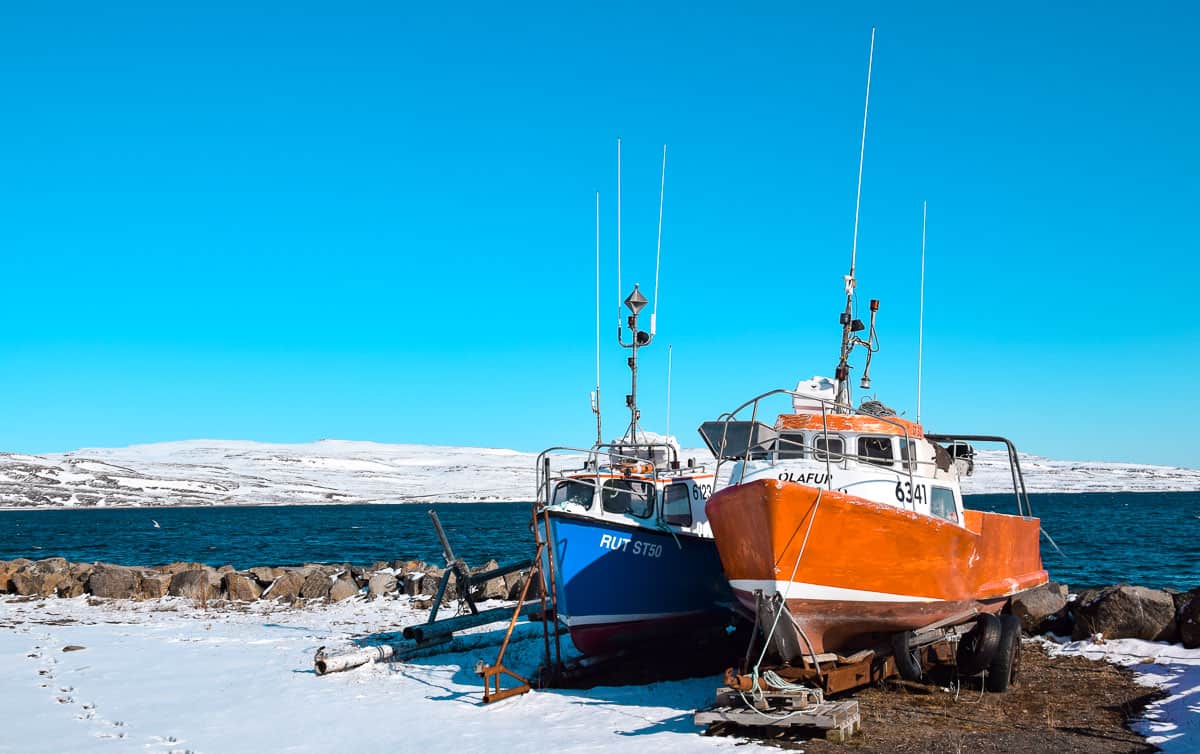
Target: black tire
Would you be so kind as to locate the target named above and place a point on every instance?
(978, 646)
(908, 660)
(1006, 664)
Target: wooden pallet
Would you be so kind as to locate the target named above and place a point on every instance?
(839, 720)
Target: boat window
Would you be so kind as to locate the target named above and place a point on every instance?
(791, 445)
(941, 504)
(575, 492)
(907, 454)
(876, 450)
(632, 496)
(834, 445)
(677, 505)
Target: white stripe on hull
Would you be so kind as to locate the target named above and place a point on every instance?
(590, 620)
(798, 590)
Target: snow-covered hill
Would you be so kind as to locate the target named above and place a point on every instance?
(228, 472)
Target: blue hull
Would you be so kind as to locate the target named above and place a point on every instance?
(617, 585)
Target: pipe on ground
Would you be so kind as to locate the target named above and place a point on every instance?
(324, 663)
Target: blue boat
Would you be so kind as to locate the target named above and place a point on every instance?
(630, 548)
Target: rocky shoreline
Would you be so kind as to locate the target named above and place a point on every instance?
(1120, 611)
(214, 587)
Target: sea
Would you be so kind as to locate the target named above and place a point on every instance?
(1152, 539)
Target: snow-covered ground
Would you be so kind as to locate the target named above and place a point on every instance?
(165, 677)
(1173, 723)
(230, 472)
(168, 677)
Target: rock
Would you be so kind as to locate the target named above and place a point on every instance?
(378, 565)
(42, 577)
(412, 583)
(226, 569)
(113, 581)
(180, 567)
(73, 648)
(266, 576)
(424, 603)
(153, 585)
(493, 589)
(381, 584)
(194, 584)
(316, 585)
(285, 588)
(1039, 605)
(7, 569)
(241, 587)
(1187, 617)
(343, 588)
(1125, 612)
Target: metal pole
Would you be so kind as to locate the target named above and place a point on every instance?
(658, 253)
(862, 149)
(921, 316)
(669, 349)
(619, 288)
(446, 551)
(599, 430)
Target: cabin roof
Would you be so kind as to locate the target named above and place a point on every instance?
(892, 425)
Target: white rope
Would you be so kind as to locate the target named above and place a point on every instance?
(770, 677)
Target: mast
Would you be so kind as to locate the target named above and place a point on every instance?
(921, 316)
(847, 319)
(635, 302)
(596, 394)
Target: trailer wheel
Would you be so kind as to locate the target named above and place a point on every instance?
(1006, 665)
(978, 646)
(908, 659)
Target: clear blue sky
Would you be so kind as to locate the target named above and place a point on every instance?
(374, 221)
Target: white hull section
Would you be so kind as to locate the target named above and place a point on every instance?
(799, 590)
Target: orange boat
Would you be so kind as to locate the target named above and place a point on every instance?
(853, 518)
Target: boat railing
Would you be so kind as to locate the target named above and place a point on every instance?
(614, 453)
(1024, 508)
(769, 446)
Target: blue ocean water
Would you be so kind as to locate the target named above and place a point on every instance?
(1151, 539)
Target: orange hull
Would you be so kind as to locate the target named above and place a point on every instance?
(867, 569)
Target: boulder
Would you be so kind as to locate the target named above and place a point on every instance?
(113, 581)
(153, 585)
(316, 585)
(241, 587)
(433, 579)
(381, 584)
(285, 588)
(1125, 612)
(226, 569)
(266, 576)
(377, 566)
(412, 583)
(195, 584)
(180, 567)
(7, 569)
(1187, 617)
(42, 577)
(343, 588)
(1040, 605)
(493, 589)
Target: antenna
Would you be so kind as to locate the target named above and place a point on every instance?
(596, 394)
(669, 349)
(847, 318)
(921, 316)
(658, 253)
(620, 301)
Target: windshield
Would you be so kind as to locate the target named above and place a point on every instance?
(631, 496)
(575, 492)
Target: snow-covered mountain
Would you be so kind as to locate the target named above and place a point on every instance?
(229, 472)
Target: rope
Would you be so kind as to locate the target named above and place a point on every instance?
(876, 408)
(770, 677)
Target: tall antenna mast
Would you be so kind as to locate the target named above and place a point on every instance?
(921, 316)
(669, 349)
(596, 394)
(619, 289)
(662, 189)
(847, 318)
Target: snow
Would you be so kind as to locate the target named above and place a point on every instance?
(170, 677)
(234, 472)
(1172, 723)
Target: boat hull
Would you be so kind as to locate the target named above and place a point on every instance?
(852, 571)
(618, 585)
